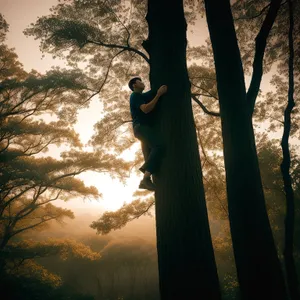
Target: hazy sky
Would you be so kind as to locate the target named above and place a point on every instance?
(19, 14)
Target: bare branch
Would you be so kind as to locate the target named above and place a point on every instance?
(51, 199)
(205, 90)
(212, 113)
(128, 33)
(106, 75)
(126, 48)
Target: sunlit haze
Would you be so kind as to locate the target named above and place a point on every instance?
(19, 14)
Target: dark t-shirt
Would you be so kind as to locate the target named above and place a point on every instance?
(136, 100)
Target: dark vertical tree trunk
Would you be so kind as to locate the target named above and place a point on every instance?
(258, 267)
(6, 236)
(290, 268)
(187, 268)
(260, 46)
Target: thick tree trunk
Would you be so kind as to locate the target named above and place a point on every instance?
(258, 267)
(187, 268)
(290, 267)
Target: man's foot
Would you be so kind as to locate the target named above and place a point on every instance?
(142, 170)
(147, 184)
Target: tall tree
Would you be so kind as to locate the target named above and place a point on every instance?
(258, 267)
(181, 215)
(284, 39)
(285, 170)
(104, 35)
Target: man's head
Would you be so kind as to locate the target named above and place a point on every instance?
(136, 84)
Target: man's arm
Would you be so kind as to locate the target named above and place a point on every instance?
(146, 108)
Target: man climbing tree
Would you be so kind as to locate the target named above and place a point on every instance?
(186, 262)
(141, 108)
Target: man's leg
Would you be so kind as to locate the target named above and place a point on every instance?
(146, 182)
(150, 141)
(146, 152)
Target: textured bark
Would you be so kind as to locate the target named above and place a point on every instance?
(289, 262)
(187, 268)
(258, 267)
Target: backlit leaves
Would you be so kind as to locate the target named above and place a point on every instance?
(116, 220)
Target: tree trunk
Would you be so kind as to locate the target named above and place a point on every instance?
(6, 236)
(290, 267)
(258, 267)
(187, 268)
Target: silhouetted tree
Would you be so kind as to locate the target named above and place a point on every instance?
(30, 181)
(258, 267)
(181, 214)
(285, 170)
(187, 225)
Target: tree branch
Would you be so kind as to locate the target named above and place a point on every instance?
(4, 205)
(143, 212)
(255, 16)
(33, 225)
(30, 207)
(212, 113)
(128, 33)
(106, 75)
(260, 46)
(125, 48)
(205, 90)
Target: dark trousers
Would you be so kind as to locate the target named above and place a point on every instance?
(152, 147)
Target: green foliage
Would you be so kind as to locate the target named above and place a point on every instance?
(273, 105)
(127, 270)
(64, 248)
(116, 220)
(10, 67)
(37, 112)
(23, 269)
(249, 16)
(3, 28)
(59, 92)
